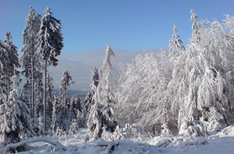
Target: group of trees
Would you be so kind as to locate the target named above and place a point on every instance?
(21, 112)
(42, 43)
(195, 82)
(180, 91)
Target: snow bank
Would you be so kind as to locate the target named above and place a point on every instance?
(228, 131)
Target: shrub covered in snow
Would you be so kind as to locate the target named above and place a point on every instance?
(191, 128)
(100, 119)
(74, 127)
(127, 132)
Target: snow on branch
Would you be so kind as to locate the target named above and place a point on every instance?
(35, 139)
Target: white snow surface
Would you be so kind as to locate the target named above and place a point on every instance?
(222, 142)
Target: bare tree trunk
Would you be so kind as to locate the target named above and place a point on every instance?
(32, 88)
(45, 98)
(65, 101)
(30, 100)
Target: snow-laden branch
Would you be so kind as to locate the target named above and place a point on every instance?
(35, 139)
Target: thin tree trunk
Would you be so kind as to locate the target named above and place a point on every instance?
(7, 82)
(32, 88)
(45, 98)
(65, 99)
(30, 100)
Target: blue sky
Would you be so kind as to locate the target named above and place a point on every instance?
(123, 24)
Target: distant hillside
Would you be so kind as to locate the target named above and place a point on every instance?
(80, 93)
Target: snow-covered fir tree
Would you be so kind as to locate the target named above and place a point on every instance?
(11, 63)
(15, 119)
(74, 127)
(56, 115)
(104, 93)
(89, 100)
(94, 80)
(65, 83)
(49, 45)
(195, 26)
(2, 58)
(94, 122)
(101, 114)
(175, 44)
(31, 59)
(76, 123)
(75, 106)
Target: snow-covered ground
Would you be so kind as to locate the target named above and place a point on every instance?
(222, 142)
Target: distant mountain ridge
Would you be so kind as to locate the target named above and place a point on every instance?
(80, 93)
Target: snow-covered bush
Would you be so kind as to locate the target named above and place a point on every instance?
(74, 127)
(213, 120)
(165, 131)
(100, 119)
(192, 128)
(59, 132)
(127, 132)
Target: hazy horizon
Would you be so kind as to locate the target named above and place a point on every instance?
(80, 65)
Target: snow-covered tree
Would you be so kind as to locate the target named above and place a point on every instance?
(56, 116)
(49, 44)
(94, 122)
(101, 115)
(30, 58)
(94, 80)
(76, 119)
(175, 45)
(200, 79)
(2, 50)
(3, 61)
(74, 107)
(104, 93)
(11, 63)
(74, 127)
(66, 82)
(195, 26)
(89, 100)
(142, 90)
(15, 120)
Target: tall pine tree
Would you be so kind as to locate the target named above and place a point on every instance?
(50, 44)
(30, 58)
